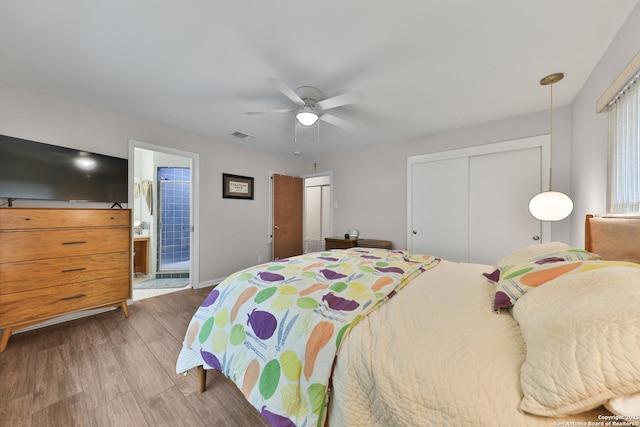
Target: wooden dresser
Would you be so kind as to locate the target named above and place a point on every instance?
(59, 261)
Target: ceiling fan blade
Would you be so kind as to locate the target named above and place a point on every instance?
(338, 122)
(338, 101)
(282, 110)
(287, 91)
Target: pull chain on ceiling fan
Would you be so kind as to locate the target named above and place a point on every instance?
(296, 122)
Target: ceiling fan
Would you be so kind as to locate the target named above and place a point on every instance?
(311, 106)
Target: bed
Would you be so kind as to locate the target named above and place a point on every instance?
(548, 336)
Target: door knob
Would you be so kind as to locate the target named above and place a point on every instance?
(536, 237)
(276, 227)
(415, 231)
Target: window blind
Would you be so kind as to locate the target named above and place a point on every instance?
(624, 145)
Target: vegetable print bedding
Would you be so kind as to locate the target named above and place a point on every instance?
(275, 329)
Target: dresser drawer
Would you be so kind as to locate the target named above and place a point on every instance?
(339, 243)
(25, 218)
(25, 276)
(375, 243)
(18, 246)
(29, 306)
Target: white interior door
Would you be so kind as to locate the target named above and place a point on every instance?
(440, 206)
(325, 226)
(500, 187)
(317, 212)
(313, 213)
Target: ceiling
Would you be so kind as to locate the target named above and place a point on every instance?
(423, 66)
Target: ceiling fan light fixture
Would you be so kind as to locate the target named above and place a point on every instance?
(306, 116)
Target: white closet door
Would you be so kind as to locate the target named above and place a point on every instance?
(326, 212)
(313, 209)
(471, 205)
(440, 206)
(500, 187)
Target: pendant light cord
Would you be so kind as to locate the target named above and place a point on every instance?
(551, 136)
(550, 80)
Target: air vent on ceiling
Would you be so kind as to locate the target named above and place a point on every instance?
(242, 135)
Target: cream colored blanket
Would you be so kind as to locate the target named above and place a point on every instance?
(435, 355)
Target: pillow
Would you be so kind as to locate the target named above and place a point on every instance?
(625, 406)
(532, 251)
(582, 336)
(518, 279)
(523, 254)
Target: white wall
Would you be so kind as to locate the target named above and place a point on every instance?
(233, 233)
(369, 185)
(589, 148)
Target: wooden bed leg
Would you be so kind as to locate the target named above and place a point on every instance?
(125, 308)
(202, 379)
(6, 333)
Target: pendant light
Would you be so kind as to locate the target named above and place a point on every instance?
(551, 205)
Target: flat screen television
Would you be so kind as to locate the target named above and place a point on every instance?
(33, 170)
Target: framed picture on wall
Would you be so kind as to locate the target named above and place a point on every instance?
(237, 187)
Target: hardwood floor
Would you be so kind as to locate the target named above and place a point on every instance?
(107, 370)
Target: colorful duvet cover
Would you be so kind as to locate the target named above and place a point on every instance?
(275, 329)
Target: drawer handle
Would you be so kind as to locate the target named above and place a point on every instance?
(73, 297)
(73, 269)
(79, 242)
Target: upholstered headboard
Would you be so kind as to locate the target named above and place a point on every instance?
(613, 237)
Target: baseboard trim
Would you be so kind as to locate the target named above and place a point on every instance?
(209, 283)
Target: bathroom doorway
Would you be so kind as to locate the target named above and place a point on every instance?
(164, 200)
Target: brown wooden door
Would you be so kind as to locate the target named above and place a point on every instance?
(287, 216)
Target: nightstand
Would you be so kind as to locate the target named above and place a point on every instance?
(341, 243)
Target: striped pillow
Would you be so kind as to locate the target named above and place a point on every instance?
(518, 279)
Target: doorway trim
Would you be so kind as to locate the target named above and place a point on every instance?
(194, 252)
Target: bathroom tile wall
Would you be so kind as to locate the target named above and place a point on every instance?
(174, 197)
